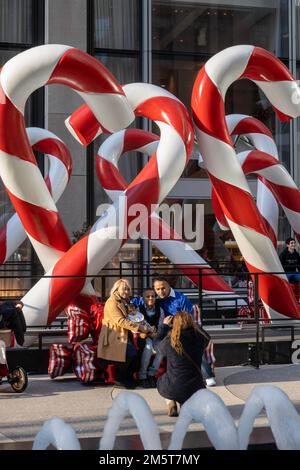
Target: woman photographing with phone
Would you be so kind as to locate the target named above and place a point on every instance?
(182, 345)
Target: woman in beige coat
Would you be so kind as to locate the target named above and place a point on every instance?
(115, 341)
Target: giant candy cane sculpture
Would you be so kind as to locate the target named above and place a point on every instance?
(24, 183)
(57, 177)
(276, 182)
(171, 243)
(261, 138)
(86, 258)
(12, 234)
(225, 171)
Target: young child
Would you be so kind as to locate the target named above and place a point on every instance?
(153, 315)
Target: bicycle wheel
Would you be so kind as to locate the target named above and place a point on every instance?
(18, 379)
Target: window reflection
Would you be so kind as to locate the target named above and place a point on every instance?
(116, 24)
(18, 32)
(208, 27)
(16, 21)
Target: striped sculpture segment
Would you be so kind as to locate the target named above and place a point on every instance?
(224, 169)
(261, 138)
(185, 258)
(87, 257)
(57, 177)
(19, 171)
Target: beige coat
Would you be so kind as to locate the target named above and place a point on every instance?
(114, 332)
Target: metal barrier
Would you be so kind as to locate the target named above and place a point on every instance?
(142, 274)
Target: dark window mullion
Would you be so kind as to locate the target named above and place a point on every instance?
(90, 161)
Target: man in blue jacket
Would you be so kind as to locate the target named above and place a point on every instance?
(170, 300)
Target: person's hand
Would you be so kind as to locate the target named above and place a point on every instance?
(168, 320)
(152, 332)
(19, 304)
(143, 329)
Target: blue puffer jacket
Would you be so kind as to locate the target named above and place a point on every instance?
(176, 302)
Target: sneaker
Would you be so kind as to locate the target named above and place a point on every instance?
(172, 409)
(152, 380)
(211, 382)
(129, 384)
(144, 383)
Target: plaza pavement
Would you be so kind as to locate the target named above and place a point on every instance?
(86, 407)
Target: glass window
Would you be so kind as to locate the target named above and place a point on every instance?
(116, 24)
(208, 27)
(19, 30)
(177, 74)
(16, 21)
(297, 37)
(126, 70)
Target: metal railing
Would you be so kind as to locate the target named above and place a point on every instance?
(142, 275)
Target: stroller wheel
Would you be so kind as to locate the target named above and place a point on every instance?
(18, 379)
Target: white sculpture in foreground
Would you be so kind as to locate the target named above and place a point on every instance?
(203, 407)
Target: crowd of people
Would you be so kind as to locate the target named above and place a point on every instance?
(139, 333)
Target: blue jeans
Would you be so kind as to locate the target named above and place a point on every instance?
(293, 277)
(206, 369)
(146, 358)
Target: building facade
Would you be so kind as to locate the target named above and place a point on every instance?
(164, 42)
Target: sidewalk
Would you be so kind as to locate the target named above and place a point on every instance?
(86, 407)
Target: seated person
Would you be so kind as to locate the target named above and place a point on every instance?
(170, 300)
(116, 341)
(153, 315)
(12, 318)
(290, 260)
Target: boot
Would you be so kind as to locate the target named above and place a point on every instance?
(124, 378)
(172, 408)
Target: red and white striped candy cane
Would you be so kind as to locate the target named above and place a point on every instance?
(279, 181)
(18, 168)
(261, 138)
(12, 234)
(87, 257)
(224, 169)
(24, 183)
(171, 244)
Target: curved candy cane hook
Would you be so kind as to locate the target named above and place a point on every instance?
(56, 432)
(87, 257)
(261, 138)
(207, 408)
(23, 181)
(12, 234)
(204, 407)
(282, 415)
(224, 170)
(129, 403)
(154, 228)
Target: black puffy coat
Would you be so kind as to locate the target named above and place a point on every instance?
(182, 378)
(290, 261)
(12, 317)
